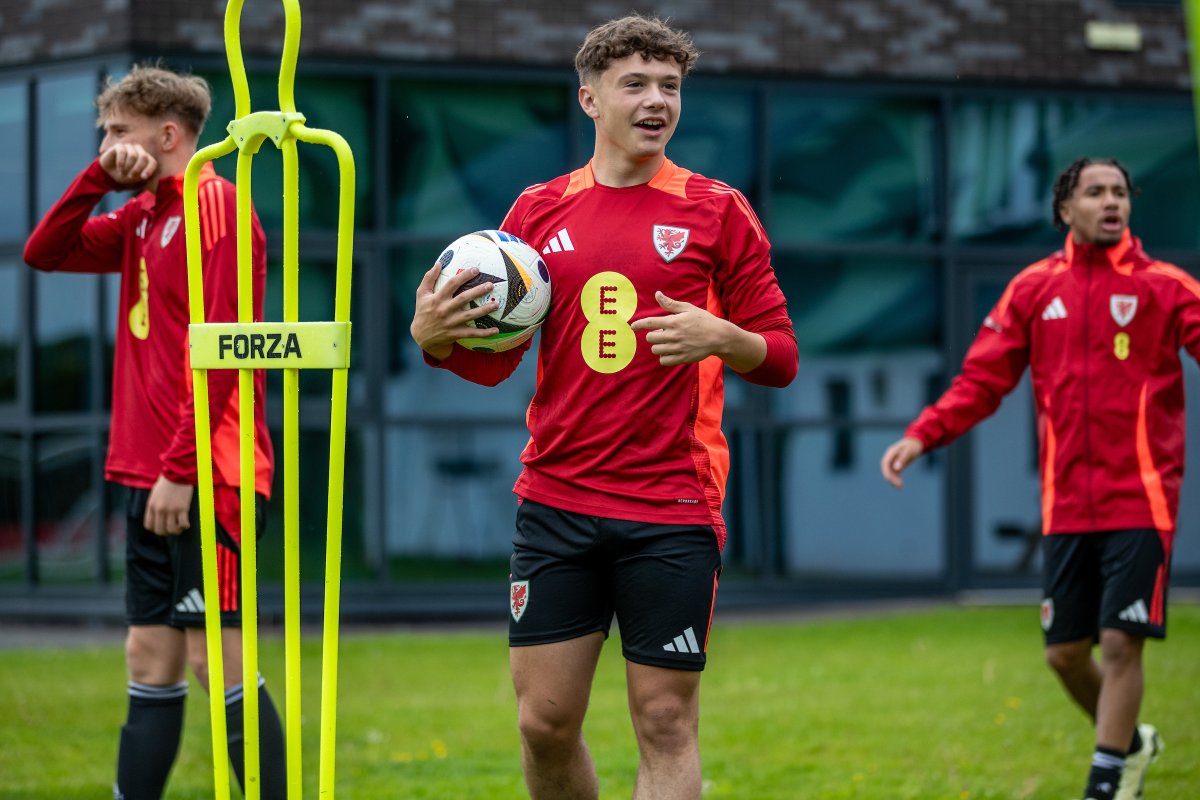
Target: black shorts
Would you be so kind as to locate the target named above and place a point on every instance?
(164, 580)
(1110, 579)
(571, 573)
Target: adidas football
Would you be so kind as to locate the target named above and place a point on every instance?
(520, 281)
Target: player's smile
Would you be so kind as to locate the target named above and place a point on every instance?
(635, 103)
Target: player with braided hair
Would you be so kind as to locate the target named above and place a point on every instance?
(1099, 324)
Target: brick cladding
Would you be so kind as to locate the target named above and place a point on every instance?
(1002, 41)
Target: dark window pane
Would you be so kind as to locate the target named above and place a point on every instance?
(14, 160)
(850, 169)
(66, 133)
(67, 504)
(462, 152)
(342, 105)
(1005, 155)
(845, 304)
(66, 324)
(12, 544)
(716, 137)
(10, 317)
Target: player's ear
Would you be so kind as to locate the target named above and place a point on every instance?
(170, 135)
(587, 101)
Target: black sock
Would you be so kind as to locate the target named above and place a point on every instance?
(1105, 777)
(1136, 744)
(149, 740)
(272, 765)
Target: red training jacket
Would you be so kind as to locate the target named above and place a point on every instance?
(153, 424)
(1100, 329)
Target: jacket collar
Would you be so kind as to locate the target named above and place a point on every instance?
(171, 187)
(1119, 256)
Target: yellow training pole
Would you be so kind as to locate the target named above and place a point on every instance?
(1191, 14)
(306, 345)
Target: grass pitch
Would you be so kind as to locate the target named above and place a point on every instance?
(946, 704)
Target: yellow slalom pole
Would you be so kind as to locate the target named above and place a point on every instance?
(294, 345)
(208, 534)
(337, 455)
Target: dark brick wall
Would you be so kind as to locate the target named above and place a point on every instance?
(1008, 41)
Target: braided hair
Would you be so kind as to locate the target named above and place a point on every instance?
(1068, 180)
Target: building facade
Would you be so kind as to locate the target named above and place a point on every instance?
(900, 156)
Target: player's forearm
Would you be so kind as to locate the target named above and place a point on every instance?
(58, 241)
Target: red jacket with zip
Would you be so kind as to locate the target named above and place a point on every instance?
(1100, 329)
(153, 424)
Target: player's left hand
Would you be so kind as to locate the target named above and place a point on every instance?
(686, 334)
(168, 506)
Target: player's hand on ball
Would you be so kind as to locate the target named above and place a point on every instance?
(128, 164)
(685, 335)
(442, 313)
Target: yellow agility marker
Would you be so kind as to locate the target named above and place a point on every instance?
(289, 345)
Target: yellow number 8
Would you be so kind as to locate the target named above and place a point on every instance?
(1121, 346)
(609, 302)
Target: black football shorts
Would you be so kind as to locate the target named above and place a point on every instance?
(572, 573)
(1108, 579)
(164, 580)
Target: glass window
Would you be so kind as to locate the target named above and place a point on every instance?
(717, 137)
(14, 160)
(67, 140)
(463, 151)
(852, 303)
(850, 169)
(12, 542)
(67, 505)
(65, 325)
(1005, 154)
(343, 105)
(10, 328)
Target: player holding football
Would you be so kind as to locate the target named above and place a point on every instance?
(662, 278)
(1100, 325)
(151, 119)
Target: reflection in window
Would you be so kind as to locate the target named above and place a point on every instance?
(14, 158)
(10, 317)
(848, 304)
(1005, 155)
(67, 508)
(851, 169)
(339, 104)
(66, 324)
(66, 133)
(464, 151)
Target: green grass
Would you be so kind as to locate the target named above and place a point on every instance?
(948, 704)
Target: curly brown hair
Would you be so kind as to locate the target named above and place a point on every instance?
(150, 90)
(619, 38)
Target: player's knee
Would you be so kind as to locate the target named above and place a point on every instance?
(1067, 658)
(1120, 650)
(198, 661)
(666, 724)
(549, 730)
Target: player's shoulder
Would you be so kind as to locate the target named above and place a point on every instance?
(1041, 271)
(726, 202)
(1154, 270)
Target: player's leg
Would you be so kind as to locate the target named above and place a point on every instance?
(1135, 566)
(666, 582)
(664, 705)
(553, 683)
(155, 658)
(189, 571)
(560, 610)
(1070, 614)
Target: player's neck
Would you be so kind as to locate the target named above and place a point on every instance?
(173, 163)
(619, 171)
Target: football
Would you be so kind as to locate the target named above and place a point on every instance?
(520, 280)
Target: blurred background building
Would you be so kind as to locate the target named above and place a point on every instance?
(899, 153)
